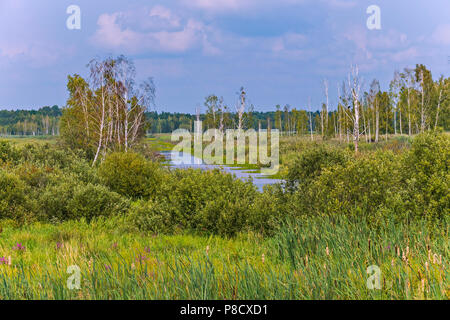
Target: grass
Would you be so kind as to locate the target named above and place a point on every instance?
(20, 141)
(307, 259)
(160, 142)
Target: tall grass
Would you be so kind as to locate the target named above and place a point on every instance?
(322, 258)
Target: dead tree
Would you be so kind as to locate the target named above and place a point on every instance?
(240, 109)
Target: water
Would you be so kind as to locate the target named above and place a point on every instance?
(185, 161)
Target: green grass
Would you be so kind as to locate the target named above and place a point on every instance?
(308, 259)
(23, 140)
(160, 142)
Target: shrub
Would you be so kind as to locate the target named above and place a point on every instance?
(310, 163)
(201, 201)
(8, 153)
(426, 177)
(71, 199)
(361, 187)
(268, 210)
(150, 216)
(33, 176)
(50, 156)
(130, 174)
(376, 185)
(90, 201)
(13, 202)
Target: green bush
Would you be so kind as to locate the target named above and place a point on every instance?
(8, 153)
(90, 201)
(377, 185)
(201, 201)
(359, 188)
(130, 174)
(269, 208)
(71, 199)
(32, 175)
(13, 198)
(310, 163)
(150, 216)
(426, 177)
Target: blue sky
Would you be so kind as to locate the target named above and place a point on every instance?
(279, 50)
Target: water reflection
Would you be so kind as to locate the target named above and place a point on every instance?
(182, 160)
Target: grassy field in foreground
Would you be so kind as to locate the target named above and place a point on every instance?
(313, 259)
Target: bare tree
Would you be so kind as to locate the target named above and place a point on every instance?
(240, 108)
(422, 109)
(353, 97)
(310, 119)
(373, 96)
(394, 89)
(326, 86)
(222, 110)
(442, 87)
(408, 81)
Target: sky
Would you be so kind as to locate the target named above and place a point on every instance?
(280, 51)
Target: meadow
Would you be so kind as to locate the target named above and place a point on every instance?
(313, 259)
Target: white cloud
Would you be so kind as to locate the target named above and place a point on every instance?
(164, 32)
(218, 5)
(230, 5)
(33, 53)
(441, 35)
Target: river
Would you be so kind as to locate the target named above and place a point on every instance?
(189, 161)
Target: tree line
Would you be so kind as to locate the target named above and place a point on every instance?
(44, 121)
(414, 103)
(109, 111)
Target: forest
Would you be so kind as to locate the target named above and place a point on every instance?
(44, 121)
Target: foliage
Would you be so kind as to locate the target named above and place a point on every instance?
(7, 152)
(426, 177)
(67, 199)
(108, 113)
(209, 202)
(130, 174)
(311, 162)
(13, 202)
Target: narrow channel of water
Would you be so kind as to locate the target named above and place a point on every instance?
(189, 161)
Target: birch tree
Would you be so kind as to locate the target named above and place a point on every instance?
(373, 96)
(240, 108)
(108, 112)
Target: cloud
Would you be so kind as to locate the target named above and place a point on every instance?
(219, 5)
(34, 54)
(162, 31)
(234, 5)
(373, 50)
(441, 35)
